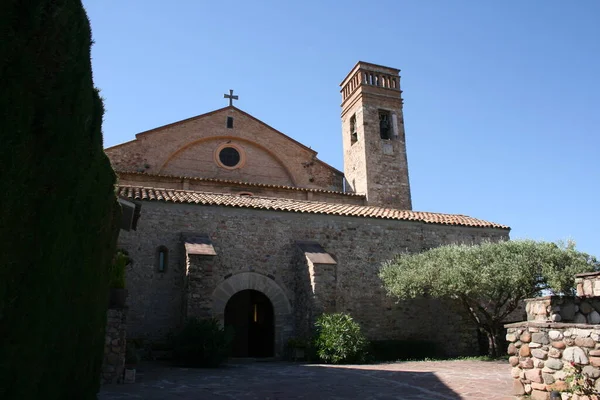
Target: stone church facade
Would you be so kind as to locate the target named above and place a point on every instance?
(244, 224)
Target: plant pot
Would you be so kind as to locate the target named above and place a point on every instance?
(298, 353)
(129, 375)
(117, 298)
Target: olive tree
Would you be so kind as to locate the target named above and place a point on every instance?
(488, 280)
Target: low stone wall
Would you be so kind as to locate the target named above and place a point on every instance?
(563, 309)
(114, 346)
(588, 285)
(543, 355)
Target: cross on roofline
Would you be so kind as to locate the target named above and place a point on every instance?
(231, 97)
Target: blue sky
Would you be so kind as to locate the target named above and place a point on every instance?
(502, 98)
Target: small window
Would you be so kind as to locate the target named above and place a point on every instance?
(353, 133)
(385, 129)
(230, 122)
(229, 156)
(162, 258)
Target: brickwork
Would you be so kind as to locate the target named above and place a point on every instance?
(264, 242)
(374, 166)
(187, 148)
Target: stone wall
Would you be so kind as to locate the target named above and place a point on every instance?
(263, 242)
(114, 346)
(541, 355)
(588, 285)
(561, 335)
(563, 309)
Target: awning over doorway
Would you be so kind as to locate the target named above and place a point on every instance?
(315, 252)
(199, 244)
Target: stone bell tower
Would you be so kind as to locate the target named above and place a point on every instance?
(375, 162)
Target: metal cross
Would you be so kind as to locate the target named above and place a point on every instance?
(230, 96)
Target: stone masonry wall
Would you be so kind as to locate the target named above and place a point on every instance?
(588, 285)
(542, 357)
(114, 346)
(563, 309)
(546, 350)
(264, 242)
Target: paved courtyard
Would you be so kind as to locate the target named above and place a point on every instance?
(279, 380)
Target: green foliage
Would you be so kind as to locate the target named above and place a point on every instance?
(131, 356)
(579, 383)
(117, 270)
(202, 343)
(489, 280)
(339, 339)
(394, 350)
(59, 214)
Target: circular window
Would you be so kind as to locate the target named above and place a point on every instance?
(229, 157)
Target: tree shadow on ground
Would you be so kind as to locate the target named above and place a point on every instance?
(279, 380)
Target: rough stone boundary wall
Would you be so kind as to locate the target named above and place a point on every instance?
(563, 309)
(541, 355)
(588, 285)
(114, 346)
(561, 334)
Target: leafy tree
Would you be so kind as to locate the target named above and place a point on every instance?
(488, 280)
(58, 210)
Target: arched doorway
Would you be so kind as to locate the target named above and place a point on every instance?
(250, 314)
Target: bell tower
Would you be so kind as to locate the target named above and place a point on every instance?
(375, 162)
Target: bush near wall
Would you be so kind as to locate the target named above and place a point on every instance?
(58, 211)
(339, 339)
(202, 343)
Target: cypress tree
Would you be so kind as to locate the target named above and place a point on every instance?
(58, 211)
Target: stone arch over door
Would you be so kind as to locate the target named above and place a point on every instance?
(282, 308)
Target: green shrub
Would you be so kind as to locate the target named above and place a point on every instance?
(339, 339)
(394, 350)
(202, 343)
(117, 269)
(131, 356)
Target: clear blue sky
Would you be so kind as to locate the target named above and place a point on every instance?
(502, 98)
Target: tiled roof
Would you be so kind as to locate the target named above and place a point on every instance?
(250, 184)
(300, 206)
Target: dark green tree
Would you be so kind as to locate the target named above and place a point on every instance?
(58, 210)
(489, 280)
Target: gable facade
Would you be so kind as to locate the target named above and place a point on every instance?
(191, 148)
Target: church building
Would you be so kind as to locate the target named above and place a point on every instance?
(245, 224)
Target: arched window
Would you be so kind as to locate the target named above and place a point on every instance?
(162, 258)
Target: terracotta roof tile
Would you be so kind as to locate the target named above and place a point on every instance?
(241, 183)
(292, 205)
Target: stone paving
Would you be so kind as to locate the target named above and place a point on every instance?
(278, 380)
